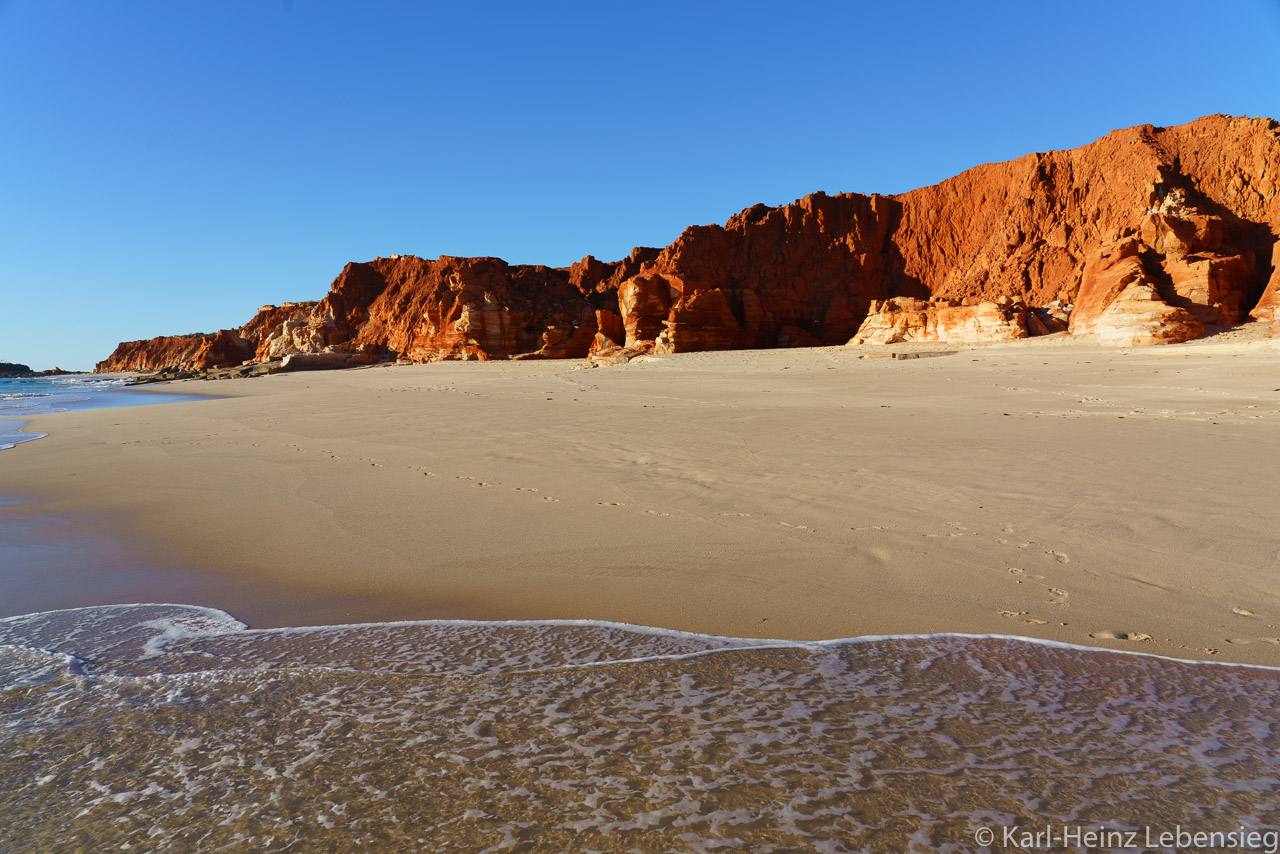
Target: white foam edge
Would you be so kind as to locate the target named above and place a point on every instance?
(235, 626)
(26, 437)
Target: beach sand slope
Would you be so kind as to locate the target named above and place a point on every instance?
(1121, 498)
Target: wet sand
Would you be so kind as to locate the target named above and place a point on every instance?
(1124, 499)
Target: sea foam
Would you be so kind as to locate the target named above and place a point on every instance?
(178, 727)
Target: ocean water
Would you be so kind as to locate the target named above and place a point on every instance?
(45, 395)
(176, 728)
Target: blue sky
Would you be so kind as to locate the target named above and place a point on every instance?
(169, 167)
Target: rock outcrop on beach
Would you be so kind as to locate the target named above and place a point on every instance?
(1268, 308)
(971, 321)
(1149, 235)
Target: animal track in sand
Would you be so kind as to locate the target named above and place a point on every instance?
(1121, 635)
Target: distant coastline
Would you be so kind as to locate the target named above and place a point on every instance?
(17, 371)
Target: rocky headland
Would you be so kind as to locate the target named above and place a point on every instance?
(16, 371)
(1149, 235)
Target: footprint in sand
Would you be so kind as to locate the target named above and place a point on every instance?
(1243, 641)
(797, 527)
(1243, 612)
(610, 504)
(1021, 615)
(660, 513)
(549, 498)
(1059, 596)
(1120, 635)
(1058, 556)
(523, 489)
(1207, 650)
(1020, 574)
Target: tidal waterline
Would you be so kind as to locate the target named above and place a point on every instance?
(31, 396)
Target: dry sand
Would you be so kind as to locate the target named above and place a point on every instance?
(1118, 498)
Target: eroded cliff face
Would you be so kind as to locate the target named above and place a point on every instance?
(1149, 235)
(188, 352)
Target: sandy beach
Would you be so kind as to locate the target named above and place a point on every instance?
(1117, 498)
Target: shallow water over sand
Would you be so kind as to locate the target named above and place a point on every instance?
(174, 728)
(31, 396)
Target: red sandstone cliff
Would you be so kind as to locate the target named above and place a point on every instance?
(1148, 235)
(188, 352)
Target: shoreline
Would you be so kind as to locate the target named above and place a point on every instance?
(748, 643)
(696, 501)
